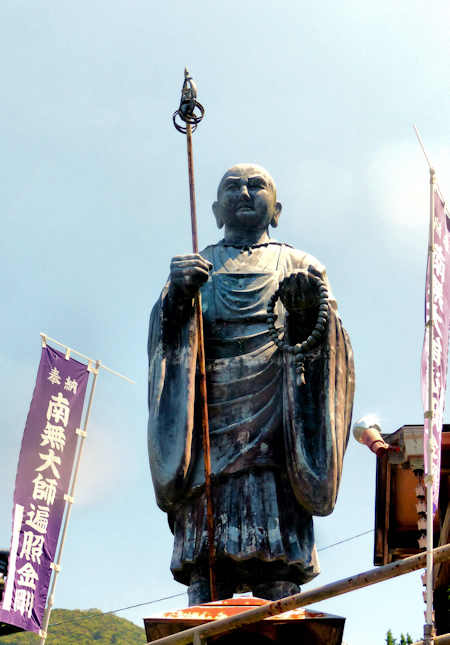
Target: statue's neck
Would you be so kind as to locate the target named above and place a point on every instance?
(246, 237)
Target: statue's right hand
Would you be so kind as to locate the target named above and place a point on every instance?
(188, 273)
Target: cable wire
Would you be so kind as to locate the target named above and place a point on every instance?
(353, 537)
(183, 593)
(116, 611)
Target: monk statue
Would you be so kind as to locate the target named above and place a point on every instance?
(277, 443)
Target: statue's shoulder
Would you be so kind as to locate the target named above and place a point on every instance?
(297, 259)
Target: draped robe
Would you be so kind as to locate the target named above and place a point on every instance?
(276, 447)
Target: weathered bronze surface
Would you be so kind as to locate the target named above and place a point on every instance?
(276, 447)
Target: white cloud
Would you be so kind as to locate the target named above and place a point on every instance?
(104, 467)
(398, 186)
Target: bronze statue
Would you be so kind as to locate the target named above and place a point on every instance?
(277, 446)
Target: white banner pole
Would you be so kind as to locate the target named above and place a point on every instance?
(428, 628)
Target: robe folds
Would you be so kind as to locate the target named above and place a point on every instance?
(277, 448)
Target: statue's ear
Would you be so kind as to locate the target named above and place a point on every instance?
(218, 214)
(276, 216)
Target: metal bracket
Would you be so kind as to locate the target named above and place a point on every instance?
(428, 414)
(55, 567)
(81, 433)
(43, 340)
(91, 368)
(428, 634)
(67, 353)
(68, 498)
(42, 633)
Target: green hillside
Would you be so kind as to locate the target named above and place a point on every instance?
(83, 628)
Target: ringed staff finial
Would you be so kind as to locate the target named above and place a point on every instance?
(190, 111)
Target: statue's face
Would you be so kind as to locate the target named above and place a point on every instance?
(246, 199)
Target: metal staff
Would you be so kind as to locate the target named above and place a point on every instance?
(191, 112)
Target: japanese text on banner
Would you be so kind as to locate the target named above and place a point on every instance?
(439, 350)
(43, 477)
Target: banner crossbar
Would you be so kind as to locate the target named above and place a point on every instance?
(45, 337)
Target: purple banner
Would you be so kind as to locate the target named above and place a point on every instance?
(43, 476)
(441, 319)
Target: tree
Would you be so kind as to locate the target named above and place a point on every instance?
(83, 628)
(404, 640)
(390, 640)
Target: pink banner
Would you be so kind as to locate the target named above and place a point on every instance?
(441, 316)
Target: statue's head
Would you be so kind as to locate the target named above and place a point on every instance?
(246, 199)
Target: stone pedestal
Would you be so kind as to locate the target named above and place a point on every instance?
(300, 626)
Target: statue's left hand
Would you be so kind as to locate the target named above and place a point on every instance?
(299, 292)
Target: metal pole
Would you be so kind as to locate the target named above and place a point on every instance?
(202, 381)
(186, 113)
(419, 138)
(428, 627)
(429, 414)
(192, 188)
(69, 502)
(365, 579)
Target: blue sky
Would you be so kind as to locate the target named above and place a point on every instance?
(94, 202)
